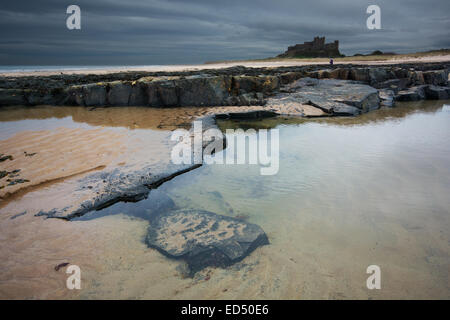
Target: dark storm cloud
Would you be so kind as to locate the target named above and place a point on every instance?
(174, 31)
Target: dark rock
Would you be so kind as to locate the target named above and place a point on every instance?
(341, 109)
(436, 77)
(94, 94)
(340, 73)
(437, 93)
(12, 97)
(393, 84)
(386, 98)
(412, 94)
(129, 183)
(415, 78)
(321, 74)
(13, 182)
(18, 215)
(377, 75)
(61, 265)
(203, 238)
(34, 97)
(250, 99)
(5, 157)
(289, 77)
(335, 97)
(138, 94)
(150, 87)
(400, 73)
(208, 87)
(162, 93)
(203, 91)
(119, 93)
(258, 114)
(74, 96)
(157, 202)
(359, 74)
(29, 154)
(249, 84)
(118, 185)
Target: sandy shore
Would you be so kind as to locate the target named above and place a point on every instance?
(251, 64)
(65, 153)
(117, 264)
(115, 261)
(70, 152)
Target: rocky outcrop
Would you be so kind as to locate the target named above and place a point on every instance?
(193, 91)
(384, 77)
(438, 77)
(236, 86)
(429, 92)
(437, 92)
(103, 189)
(386, 98)
(203, 238)
(411, 94)
(333, 97)
(12, 97)
(128, 183)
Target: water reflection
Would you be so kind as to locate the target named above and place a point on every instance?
(350, 192)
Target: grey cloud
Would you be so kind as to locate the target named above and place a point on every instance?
(137, 32)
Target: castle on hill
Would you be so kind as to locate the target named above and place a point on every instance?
(313, 49)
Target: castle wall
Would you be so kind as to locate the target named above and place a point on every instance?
(315, 48)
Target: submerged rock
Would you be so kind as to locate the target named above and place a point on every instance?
(203, 238)
(131, 182)
(102, 189)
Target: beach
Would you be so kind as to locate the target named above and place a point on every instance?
(85, 175)
(220, 65)
(306, 211)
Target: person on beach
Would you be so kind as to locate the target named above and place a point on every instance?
(331, 61)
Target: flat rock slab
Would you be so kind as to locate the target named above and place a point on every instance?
(203, 238)
(288, 107)
(333, 97)
(147, 165)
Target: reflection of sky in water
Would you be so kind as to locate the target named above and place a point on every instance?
(395, 167)
(9, 128)
(345, 197)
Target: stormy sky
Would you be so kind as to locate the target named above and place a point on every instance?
(143, 32)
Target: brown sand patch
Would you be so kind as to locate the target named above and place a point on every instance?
(57, 154)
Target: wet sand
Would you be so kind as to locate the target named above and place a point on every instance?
(113, 137)
(311, 254)
(49, 156)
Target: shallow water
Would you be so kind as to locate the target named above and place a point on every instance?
(350, 192)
